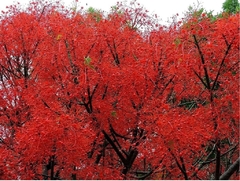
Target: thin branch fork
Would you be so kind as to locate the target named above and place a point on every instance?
(222, 62)
(181, 167)
(203, 62)
(128, 161)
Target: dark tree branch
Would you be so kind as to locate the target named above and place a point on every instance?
(45, 104)
(130, 158)
(183, 169)
(51, 165)
(102, 153)
(222, 62)
(115, 139)
(114, 147)
(218, 160)
(200, 78)
(88, 103)
(202, 164)
(118, 135)
(90, 49)
(166, 85)
(39, 18)
(203, 62)
(212, 160)
(114, 53)
(129, 161)
(234, 167)
(105, 92)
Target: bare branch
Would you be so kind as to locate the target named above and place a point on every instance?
(234, 167)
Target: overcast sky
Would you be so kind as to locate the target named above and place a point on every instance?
(163, 8)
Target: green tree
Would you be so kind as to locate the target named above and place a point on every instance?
(231, 6)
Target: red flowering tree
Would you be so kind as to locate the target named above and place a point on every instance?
(86, 95)
(205, 69)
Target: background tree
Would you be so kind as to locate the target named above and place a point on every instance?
(231, 6)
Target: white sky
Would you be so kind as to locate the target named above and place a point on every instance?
(163, 8)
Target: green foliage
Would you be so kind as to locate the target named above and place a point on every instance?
(194, 10)
(91, 10)
(96, 14)
(213, 17)
(231, 6)
(188, 104)
(177, 41)
(115, 9)
(198, 12)
(114, 114)
(87, 62)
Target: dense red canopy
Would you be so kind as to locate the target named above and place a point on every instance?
(84, 95)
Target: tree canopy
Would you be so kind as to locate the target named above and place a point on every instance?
(231, 6)
(90, 95)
